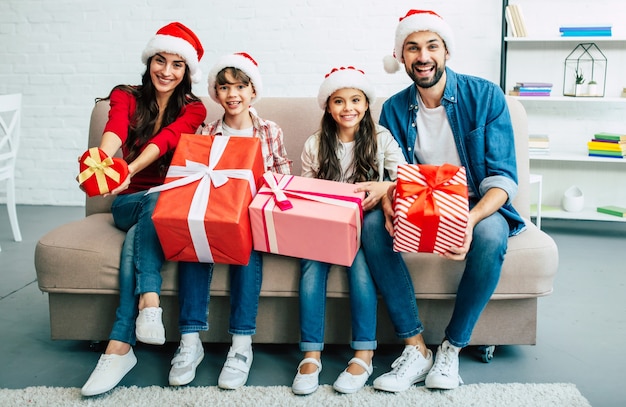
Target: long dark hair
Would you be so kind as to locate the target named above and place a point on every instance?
(364, 164)
(142, 125)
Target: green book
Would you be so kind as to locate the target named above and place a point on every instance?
(610, 136)
(613, 210)
(606, 153)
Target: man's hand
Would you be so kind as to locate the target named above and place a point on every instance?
(387, 205)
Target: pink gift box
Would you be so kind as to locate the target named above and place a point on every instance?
(431, 208)
(320, 219)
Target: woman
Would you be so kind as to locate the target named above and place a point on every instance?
(146, 122)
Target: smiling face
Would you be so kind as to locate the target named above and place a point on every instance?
(235, 95)
(167, 72)
(424, 55)
(347, 107)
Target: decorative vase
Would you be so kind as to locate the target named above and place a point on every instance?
(578, 91)
(573, 199)
(592, 89)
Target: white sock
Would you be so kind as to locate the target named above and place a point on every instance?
(242, 341)
(190, 337)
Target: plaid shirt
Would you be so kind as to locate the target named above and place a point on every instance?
(272, 145)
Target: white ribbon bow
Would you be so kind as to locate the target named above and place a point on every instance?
(207, 175)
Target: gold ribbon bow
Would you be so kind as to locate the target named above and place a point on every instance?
(100, 168)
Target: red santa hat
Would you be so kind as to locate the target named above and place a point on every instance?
(175, 38)
(245, 63)
(414, 21)
(342, 78)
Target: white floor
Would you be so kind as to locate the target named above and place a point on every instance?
(582, 325)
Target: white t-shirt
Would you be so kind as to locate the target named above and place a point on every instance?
(229, 131)
(345, 160)
(434, 144)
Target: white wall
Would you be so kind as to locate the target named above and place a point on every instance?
(62, 54)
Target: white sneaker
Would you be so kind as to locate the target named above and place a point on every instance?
(235, 372)
(149, 326)
(109, 371)
(348, 383)
(410, 368)
(185, 361)
(304, 384)
(445, 371)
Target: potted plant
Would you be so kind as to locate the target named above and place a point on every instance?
(580, 80)
(592, 88)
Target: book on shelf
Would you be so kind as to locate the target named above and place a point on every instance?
(534, 84)
(605, 153)
(531, 89)
(603, 135)
(518, 26)
(509, 22)
(538, 144)
(586, 31)
(528, 93)
(609, 141)
(606, 146)
(612, 210)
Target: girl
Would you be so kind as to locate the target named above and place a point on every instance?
(146, 122)
(234, 83)
(350, 147)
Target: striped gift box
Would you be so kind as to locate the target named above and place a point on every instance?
(430, 208)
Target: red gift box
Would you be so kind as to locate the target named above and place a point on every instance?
(99, 173)
(202, 211)
(307, 218)
(431, 208)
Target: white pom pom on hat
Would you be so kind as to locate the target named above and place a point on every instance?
(414, 21)
(343, 78)
(175, 38)
(245, 63)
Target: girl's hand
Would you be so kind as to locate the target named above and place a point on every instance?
(374, 192)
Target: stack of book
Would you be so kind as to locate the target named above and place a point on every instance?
(607, 145)
(538, 144)
(515, 20)
(531, 89)
(586, 31)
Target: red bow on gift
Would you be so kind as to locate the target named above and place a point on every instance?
(424, 212)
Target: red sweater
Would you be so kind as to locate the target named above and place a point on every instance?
(120, 115)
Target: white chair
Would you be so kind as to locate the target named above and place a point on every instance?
(10, 112)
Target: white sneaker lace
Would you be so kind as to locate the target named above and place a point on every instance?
(444, 361)
(103, 363)
(401, 364)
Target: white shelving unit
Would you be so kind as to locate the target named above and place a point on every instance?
(571, 121)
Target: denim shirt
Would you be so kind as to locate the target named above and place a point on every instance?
(482, 130)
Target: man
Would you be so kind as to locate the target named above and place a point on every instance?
(445, 117)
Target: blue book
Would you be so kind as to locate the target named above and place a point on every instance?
(586, 28)
(586, 33)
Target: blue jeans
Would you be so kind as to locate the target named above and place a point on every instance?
(363, 303)
(245, 288)
(127, 311)
(136, 209)
(483, 265)
(390, 275)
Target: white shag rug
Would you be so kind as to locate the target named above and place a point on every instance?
(479, 395)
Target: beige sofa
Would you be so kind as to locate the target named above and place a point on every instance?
(77, 265)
